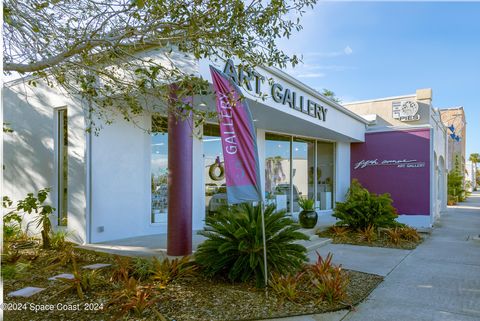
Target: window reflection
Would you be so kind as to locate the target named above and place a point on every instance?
(325, 161)
(277, 171)
(303, 162)
(159, 170)
(297, 167)
(215, 183)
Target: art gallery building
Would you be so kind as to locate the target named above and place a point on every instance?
(123, 182)
(404, 154)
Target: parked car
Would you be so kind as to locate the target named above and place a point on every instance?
(218, 200)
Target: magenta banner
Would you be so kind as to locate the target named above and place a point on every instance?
(239, 142)
(396, 162)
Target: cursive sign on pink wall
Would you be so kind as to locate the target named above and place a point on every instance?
(396, 162)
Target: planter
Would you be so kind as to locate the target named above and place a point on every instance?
(308, 219)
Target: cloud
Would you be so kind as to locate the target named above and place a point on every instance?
(345, 52)
(311, 75)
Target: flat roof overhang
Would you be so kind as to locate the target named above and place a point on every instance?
(278, 115)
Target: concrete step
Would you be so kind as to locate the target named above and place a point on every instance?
(315, 242)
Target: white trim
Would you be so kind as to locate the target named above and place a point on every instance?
(397, 128)
(379, 99)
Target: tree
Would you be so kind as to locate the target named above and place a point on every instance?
(95, 49)
(455, 183)
(475, 159)
(331, 95)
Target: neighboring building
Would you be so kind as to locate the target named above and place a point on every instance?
(470, 177)
(404, 154)
(454, 120)
(126, 182)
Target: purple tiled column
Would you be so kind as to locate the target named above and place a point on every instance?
(180, 160)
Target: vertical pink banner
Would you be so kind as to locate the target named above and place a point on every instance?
(239, 143)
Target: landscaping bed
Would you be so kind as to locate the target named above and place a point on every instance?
(191, 298)
(386, 237)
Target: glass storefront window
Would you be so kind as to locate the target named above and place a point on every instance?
(277, 171)
(215, 183)
(325, 175)
(159, 169)
(297, 167)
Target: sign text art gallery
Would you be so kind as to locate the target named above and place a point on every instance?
(401, 163)
(252, 81)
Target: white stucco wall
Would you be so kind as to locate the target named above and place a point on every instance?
(30, 151)
(342, 170)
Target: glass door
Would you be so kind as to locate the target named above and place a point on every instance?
(303, 164)
(277, 171)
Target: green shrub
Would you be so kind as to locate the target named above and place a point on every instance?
(12, 271)
(234, 244)
(142, 268)
(29, 204)
(363, 209)
(11, 222)
(8, 272)
(58, 239)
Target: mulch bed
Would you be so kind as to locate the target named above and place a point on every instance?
(382, 240)
(197, 298)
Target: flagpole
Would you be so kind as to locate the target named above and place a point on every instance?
(265, 270)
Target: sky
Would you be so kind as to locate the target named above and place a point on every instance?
(366, 50)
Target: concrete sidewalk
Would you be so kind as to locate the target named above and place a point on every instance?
(374, 260)
(439, 280)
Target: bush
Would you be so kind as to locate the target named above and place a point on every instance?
(11, 222)
(327, 279)
(234, 244)
(286, 286)
(167, 270)
(58, 240)
(142, 268)
(363, 209)
(455, 190)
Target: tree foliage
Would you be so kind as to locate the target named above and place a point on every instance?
(455, 183)
(96, 49)
(331, 95)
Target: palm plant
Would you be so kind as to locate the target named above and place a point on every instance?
(234, 243)
(306, 204)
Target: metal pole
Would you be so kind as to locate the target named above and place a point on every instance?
(264, 245)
